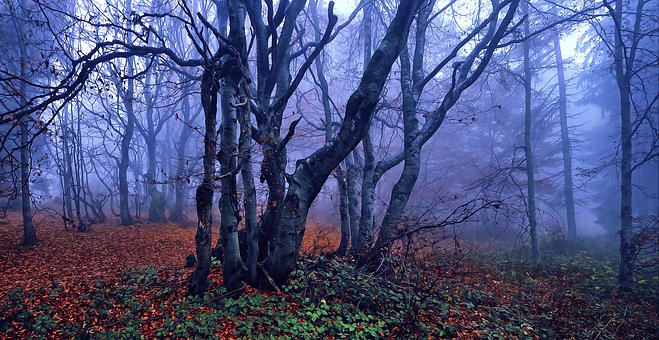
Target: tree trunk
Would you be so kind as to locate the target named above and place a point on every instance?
(157, 199)
(565, 142)
(343, 212)
(272, 172)
(623, 78)
(463, 76)
(369, 182)
(412, 144)
(312, 172)
(177, 214)
(239, 92)
(233, 268)
(204, 197)
(150, 134)
(273, 72)
(351, 191)
(528, 146)
(29, 232)
(410, 80)
(249, 204)
(365, 227)
(66, 168)
(627, 249)
(124, 209)
(79, 176)
(339, 175)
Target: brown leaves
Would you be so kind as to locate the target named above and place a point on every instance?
(72, 257)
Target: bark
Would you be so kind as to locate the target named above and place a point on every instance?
(528, 146)
(273, 166)
(343, 212)
(249, 204)
(401, 191)
(312, 172)
(124, 210)
(369, 181)
(150, 134)
(204, 196)
(365, 234)
(238, 40)
(565, 142)
(624, 61)
(29, 232)
(233, 268)
(351, 191)
(157, 205)
(199, 278)
(141, 191)
(66, 169)
(79, 177)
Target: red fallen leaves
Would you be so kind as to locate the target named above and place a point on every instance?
(77, 259)
(72, 257)
(75, 262)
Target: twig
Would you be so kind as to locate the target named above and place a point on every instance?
(267, 276)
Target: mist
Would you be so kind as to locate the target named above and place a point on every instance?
(522, 128)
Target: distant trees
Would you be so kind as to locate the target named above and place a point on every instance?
(528, 147)
(566, 143)
(239, 63)
(464, 73)
(28, 43)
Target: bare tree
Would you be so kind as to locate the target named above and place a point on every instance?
(629, 31)
(528, 146)
(566, 144)
(413, 83)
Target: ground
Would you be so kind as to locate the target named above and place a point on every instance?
(129, 281)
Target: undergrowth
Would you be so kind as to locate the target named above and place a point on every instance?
(489, 297)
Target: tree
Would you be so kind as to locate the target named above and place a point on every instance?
(528, 147)
(412, 84)
(566, 145)
(181, 178)
(311, 172)
(28, 44)
(347, 228)
(627, 53)
(247, 78)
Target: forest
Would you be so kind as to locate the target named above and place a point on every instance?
(329, 169)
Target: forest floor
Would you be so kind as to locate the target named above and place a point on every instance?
(127, 282)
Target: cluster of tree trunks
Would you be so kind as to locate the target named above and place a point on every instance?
(268, 252)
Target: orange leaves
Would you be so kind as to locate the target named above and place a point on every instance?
(72, 257)
(80, 280)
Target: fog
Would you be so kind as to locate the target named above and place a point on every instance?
(469, 125)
